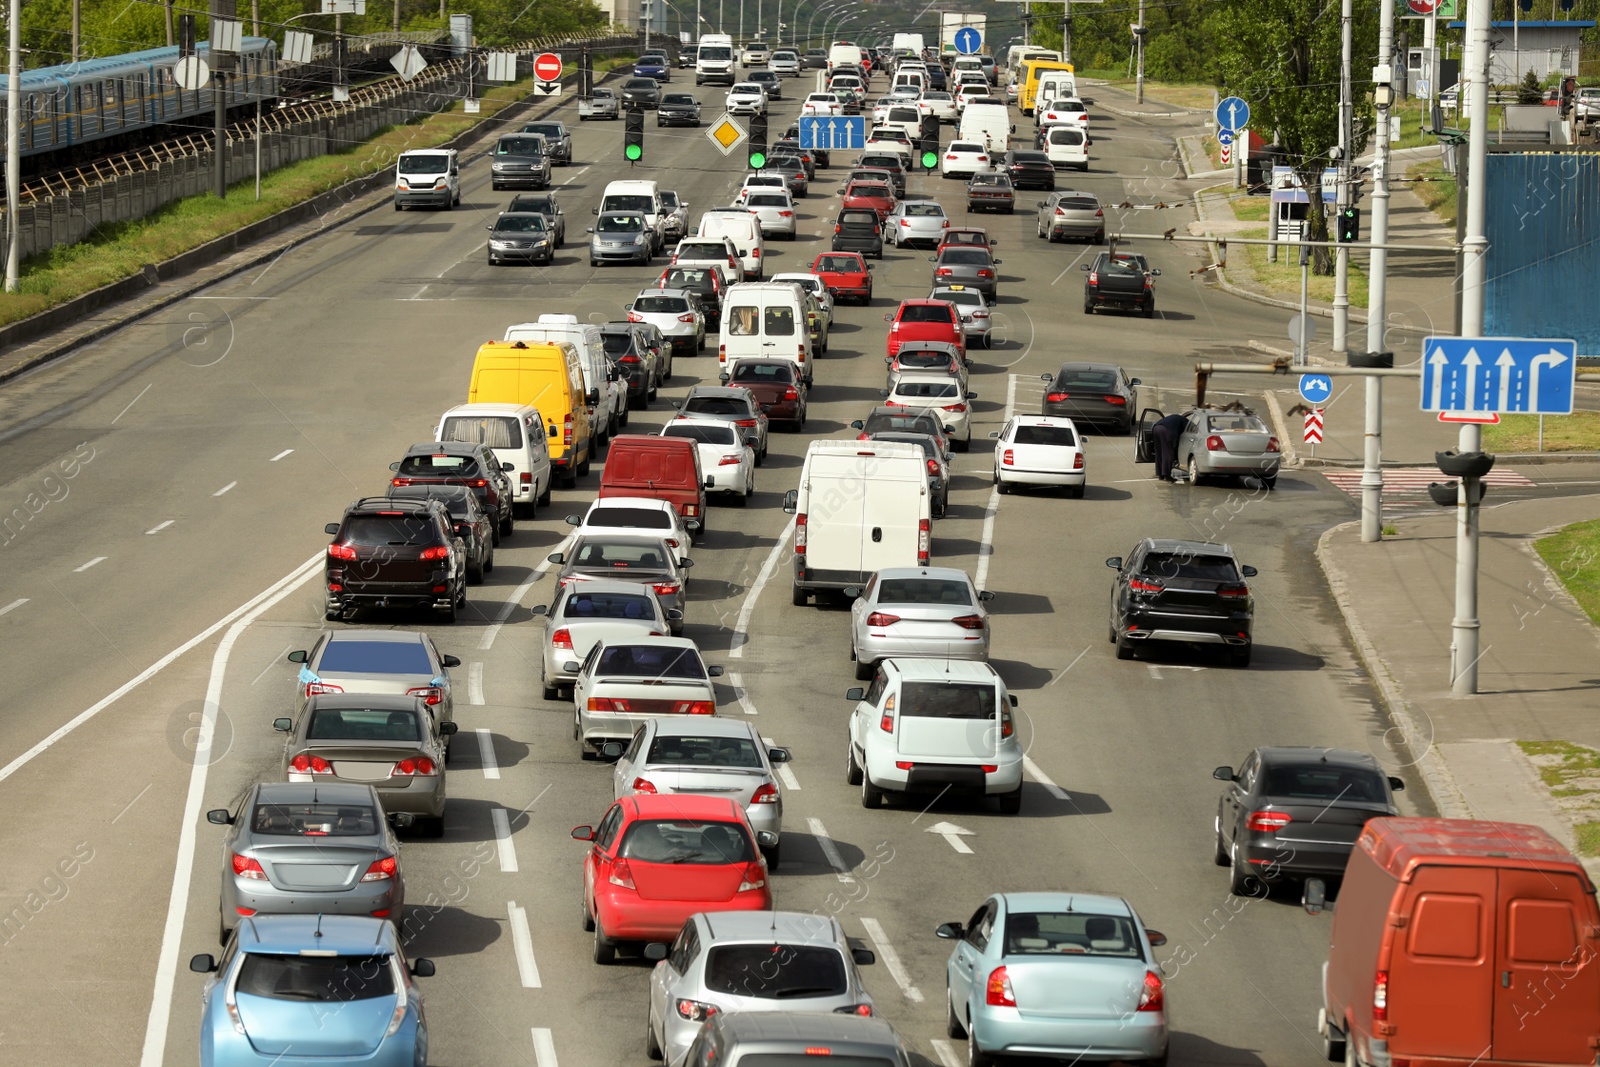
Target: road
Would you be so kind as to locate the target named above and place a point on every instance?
(166, 577)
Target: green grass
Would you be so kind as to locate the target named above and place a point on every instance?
(1282, 279)
(1588, 835)
(1573, 555)
(1390, 531)
(1438, 196)
(1578, 432)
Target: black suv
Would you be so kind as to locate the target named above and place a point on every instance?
(1186, 591)
(472, 524)
(390, 553)
(461, 463)
(543, 204)
(858, 230)
(635, 358)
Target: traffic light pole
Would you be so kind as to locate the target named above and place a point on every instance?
(1341, 272)
(1377, 291)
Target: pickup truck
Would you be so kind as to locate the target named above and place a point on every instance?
(1120, 280)
(601, 103)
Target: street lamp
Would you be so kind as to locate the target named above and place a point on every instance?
(829, 5)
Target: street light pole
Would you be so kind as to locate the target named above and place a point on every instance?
(1341, 274)
(14, 147)
(1378, 287)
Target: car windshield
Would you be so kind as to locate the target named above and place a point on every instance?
(445, 466)
(1321, 781)
(924, 359)
(927, 390)
(1189, 565)
(640, 83)
(677, 98)
(520, 224)
(970, 257)
(942, 313)
(924, 591)
(946, 700)
(519, 146)
(374, 657)
(701, 434)
(582, 605)
(363, 724)
(771, 971)
(620, 224)
(669, 199)
(315, 979)
(909, 423)
(1031, 933)
(704, 752)
(429, 163)
(314, 820)
(686, 841)
(1235, 424)
(650, 661)
(1086, 378)
(1055, 436)
(620, 554)
(496, 431)
(963, 296)
(660, 305)
(373, 530)
(549, 129)
(542, 204)
(640, 202)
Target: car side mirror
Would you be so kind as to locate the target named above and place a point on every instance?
(863, 957)
(1038, 203)
(1156, 938)
(611, 750)
(1135, 381)
(674, 615)
(588, 229)
(539, 609)
(422, 968)
(204, 963)
(1396, 784)
(985, 595)
(950, 931)
(283, 726)
(710, 483)
(972, 396)
(766, 839)
(583, 833)
(856, 693)
(851, 592)
(508, 466)
(888, 316)
(994, 435)
(692, 525)
(574, 520)
(933, 259)
(883, 392)
(998, 262)
(790, 500)
(297, 656)
(448, 729)
(395, 466)
(594, 211)
(403, 820)
(686, 563)
(714, 671)
(1084, 267)
(1011, 698)
(1248, 572)
(655, 950)
(1315, 897)
(557, 558)
(450, 661)
(1115, 563)
(331, 528)
(1157, 271)
(219, 817)
(778, 755)
(1224, 774)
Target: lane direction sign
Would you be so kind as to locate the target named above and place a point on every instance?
(952, 834)
(1225, 137)
(1232, 114)
(1527, 375)
(968, 40)
(1316, 388)
(828, 132)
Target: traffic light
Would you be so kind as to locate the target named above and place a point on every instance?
(930, 154)
(633, 135)
(1349, 225)
(758, 142)
(1569, 87)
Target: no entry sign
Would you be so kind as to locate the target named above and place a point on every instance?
(547, 67)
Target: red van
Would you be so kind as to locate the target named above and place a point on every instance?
(1460, 942)
(664, 468)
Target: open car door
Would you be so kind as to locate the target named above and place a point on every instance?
(1144, 441)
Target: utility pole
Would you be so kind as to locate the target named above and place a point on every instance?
(168, 6)
(1066, 31)
(14, 146)
(77, 26)
(1139, 32)
(1378, 282)
(1341, 269)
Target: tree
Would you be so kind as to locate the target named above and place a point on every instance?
(1531, 91)
(1282, 57)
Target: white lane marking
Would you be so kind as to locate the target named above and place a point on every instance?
(739, 694)
(475, 682)
(155, 1035)
(132, 402)
(741, 627)
(522, 944)
(891, 959)
(509, 606)
(295, 577)
(158, 529)
(86, 566)
(986, 543)
(502, 840)
(491, 769)
(952, 835)
(225, 488)
(544, 1047)
(1155, 672)
(1043, 779)
(782, 769)
(830, 850)
(946, 1051)
(280, 455)
(13, 606)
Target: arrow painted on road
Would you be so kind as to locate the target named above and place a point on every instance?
(1437, 362)
(953, 834)
(1547, 359)
(1471, 362)
(1505, 363)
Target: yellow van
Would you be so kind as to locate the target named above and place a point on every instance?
(547, 375)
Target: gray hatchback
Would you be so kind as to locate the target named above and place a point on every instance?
(620, 237)
(746, 1038)
(1072, 214)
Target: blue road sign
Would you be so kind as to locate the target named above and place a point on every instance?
(1232, 114)
(833, 131)
(1224, 137)
(1530, 375)
(968, 40)
(1316, 388)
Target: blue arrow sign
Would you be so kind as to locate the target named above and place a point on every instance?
(1528, 375)
(1224, 137)
(1232, 114)
(1316, 388)
(968, 40)
(830, 132)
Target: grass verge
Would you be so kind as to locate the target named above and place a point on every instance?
(1578, 432)
(1573, 555)
(1571, 773)
(1439, 196)
(1282, 279)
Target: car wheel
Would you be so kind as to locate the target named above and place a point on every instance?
(433, 828)
(604, 951)
(1220, 855)
(1335, 1048)
(510, 525)
(961, 446)
(976, 1057)
(551, 692)
(1194, 471)
(798, 596)
(774, 856)
(1242, 881)
(1076, 491)
(652, 1047)
(864, 668)
(1240, 657)
(1270, 481)
(223, 933)
(952, 1021)
(475, 573)
(495, 532)
(583, 468)
(448, 615)
(1088, 307)
(1124, 646)
(1011, 803)
(871, 795)
(1100, 238)
(333, 616)
(583, 906)
(741, 499)
(1150, 310)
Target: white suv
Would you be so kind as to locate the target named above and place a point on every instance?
(931, 726)
(747, 98)
(676, 314)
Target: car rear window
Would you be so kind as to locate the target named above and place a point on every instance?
(772, 374)
(715, 405)
(372, 530)
(315, 979)
(946, 700)
(704, 752)
(629, 518)
(1079, 203)
(703, 250)
(855, 218)
(1057, 436)
(620, 555)
(844, 264)
(775, 972)
(687, 841)
(767, 200)
(1068, 378)
(660, 305)
(809, 1059)
(651, 661)
(924, 591)
(965, 257)
(1185, 565)
(906, 423)
(927, 313)
(1235, 424)
(1321, 781)
(924, 211)
(374, 657)
(609, 606)
(363, 724)
(617, 344)
(439, 467)
(496, 431)
(1077, 933)
(927, 390)
(701, 434)
(314, 820)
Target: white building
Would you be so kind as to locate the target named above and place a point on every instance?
(1546, 48)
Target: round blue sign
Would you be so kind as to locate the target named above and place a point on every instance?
(1232, 114)
(1316, 388)
(1224, 137)
(968, 40)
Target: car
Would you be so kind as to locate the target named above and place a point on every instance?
(676, 313)
(585, 613)
(557, 139)
(641, 94)
(309, 848)
(812, 284)
(395, 553)
(891, 138)
(874, 196)
(826, 104)
(637, 359)
(519, 159)
(925, 320)
(637, 514)
(731, 404)
(977, 321)
(756, 54)
(706, 282)
(938, 467)
(1096, 394)
(656, 860)
(731, 965)
(1228, 443)
(752, 1037)
(706, 757)
(941, 394)
(719, 252)
(388, 742)
(785, 61)
(969, 265)
(644, 558)
(775, 209)
(929, 357)
(991, 191)
(938, 103)
(601, 103)
(880, 108)
(1296, 811)
(814, 59)
(1190, 592)
(678, 109)
(1067, 112)
(316, 986)
(846, 274)
(952, 718)
(916, 220)
(917, 612)
(653, 65)
(746, 98)
(468, 463)
(521, 238)
(1067, 975)
(896, 160)
(1029, 170)
(870, 174)
(808, 158)
(770, 83)
(760, 180)
(728, 459)
(859, 229)
(545, 204)
(1040, 450)
(621, 236)
(796, 179)
(971, 92)
(776, 386)
(674, 216)
(968, 235)
(1121, 280)
(904, 420)
(392, 662)
(1064, 146)
(468, 519)
(1071, 213)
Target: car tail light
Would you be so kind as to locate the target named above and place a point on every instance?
(997, 992)
(606, 704)
(695, 1011)
(643, 785)
(800, 354)
(1214, 444)
(786, 214)
(1272, 444)
(1056, 398)
(567, 429)
(1077, 462)
(1117, 400)
(1149, 282)
(991, 768)
(952, 155)
(958, 408)
(1094, 277)
(622, 874)
(722, 353)
(415, 767)
(933, 467)
(1099, 214)
(1380, 998)
(1234, 592)
(903, 765)
(526, 477)
(436, 552)
(755, 877)
(381, 870)
(1152, 997)
(338, 551)
(1268, 822)
(969, 622)
(922, 542)
(848, 1009)
(836, 228)
(1008, 458)
(245, 867)
(747, 423)
(629, 359)
(1007, 727)
(666, 588)
(1144, 585)
(983, 159)
(791, 393)
(986, 273)
(305, 763)
(318, 688)
(800, 534)
(634, 316)
(686, 318)
(479, 483)
(767, 794)
(942, 272)
(431, 694)
(878, 618)
(729, 461)
(886, 721)
(695, 707)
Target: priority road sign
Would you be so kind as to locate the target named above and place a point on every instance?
(547, 67)
(968, 40)
(1316, 388)
(726, 134)
(1530, 375)
(1314, 426)
(833, 131)
(1232, 114)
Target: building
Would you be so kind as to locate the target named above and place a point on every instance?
(1546, 48)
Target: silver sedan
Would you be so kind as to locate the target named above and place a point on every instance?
(917, 612)
(588, 612)
(622, 684)
(916, 220)
(396, 662)
(1219, 443)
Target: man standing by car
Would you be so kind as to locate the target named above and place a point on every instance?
(1166, 433)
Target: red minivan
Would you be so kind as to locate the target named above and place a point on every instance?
(1460, 942)
(663, 468)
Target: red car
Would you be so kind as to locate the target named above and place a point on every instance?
(845, 274)
(656, 860)
(926, 320)
(875, 195)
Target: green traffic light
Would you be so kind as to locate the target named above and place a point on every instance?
(930, 160)
(633, 152)
(758, 160)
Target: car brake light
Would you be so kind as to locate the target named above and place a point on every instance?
(1149, 282)
(318, 688)
(986, 273)
(1272, 444)
(755, 877)
(1099, 214)
(1008, 457)
(1268, 822)
(305, 763)
(942, 272)
(933, 467)
(1007, 728)
(1214, 444)
(566, 430)
(1234, 592)
(1380, 998)
(381, 870)
(479, 483)
(1152, 997)
(744, 422)
(969, 622)
(643, 785)
(800, 534)
(622, 874)
(952, 155)
(1142, 585)
(415, 767)
(923, 534)
(767, 794)
(836, 228)
(665, 588)
(431, 694)
(729, 461)
(1116, 400)
(634, 316)
(526, 477)
(686, 318)
(791, 393)
(695, 1011)
(399, 481)
(436, 552)
(245, 867)
(341, 552)
(562, 638)
(606, 704)
(878, 618)
(1077, 462)
(958, 408)
(998, 990)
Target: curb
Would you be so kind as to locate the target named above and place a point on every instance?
(1150, 114)
(1447, 798)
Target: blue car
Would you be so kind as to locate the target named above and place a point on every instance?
(653, 65)
(1069, 976)
(298, 990)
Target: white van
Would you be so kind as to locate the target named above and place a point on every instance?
(1067, 146)
(713, 61)
(604, 389)
(765, 320)
(988, 124)
(1056, 85)
(427, 177)
(910, 81)
(861, 506)
(744, 229)
(516, 434)
(639, 195)
(845, 55)
(967, 63)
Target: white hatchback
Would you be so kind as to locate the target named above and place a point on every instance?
(775, 209)
(728, 460)
(942, 397)
(1063, 113)
(963, 159)
(637, 515)
(675, 313)
(822, 104)
(710, 252)
(813, 284)
(939, 104)
(1040, 450)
